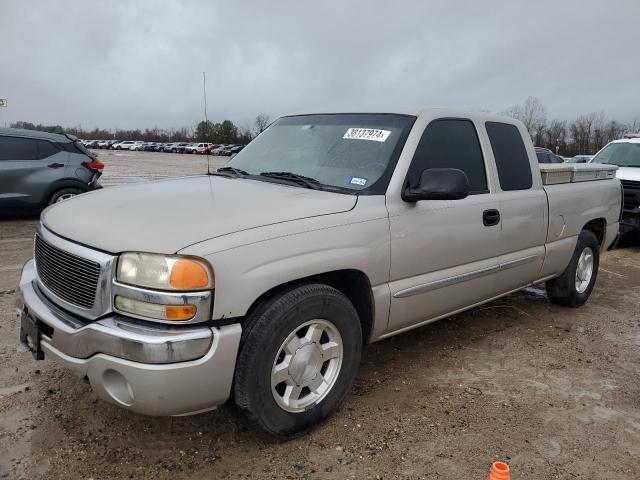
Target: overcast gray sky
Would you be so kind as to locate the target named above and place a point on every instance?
(139, 63)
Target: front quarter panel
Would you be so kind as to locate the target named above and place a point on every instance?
(246, 267)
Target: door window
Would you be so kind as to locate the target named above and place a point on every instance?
(17, 148)
(46, 149)
(450, 143)
(512, 161)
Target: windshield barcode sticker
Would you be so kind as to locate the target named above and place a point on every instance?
(367, 134)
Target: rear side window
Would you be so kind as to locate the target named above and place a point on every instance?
(543, 157)
(450, 143)
(46, 149)
(17, 148)
(512, 161)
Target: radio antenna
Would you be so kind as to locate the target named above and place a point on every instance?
(206, 120)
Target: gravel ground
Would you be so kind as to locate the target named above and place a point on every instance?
(555, 392)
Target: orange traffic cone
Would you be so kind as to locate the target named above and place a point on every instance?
(499, 471)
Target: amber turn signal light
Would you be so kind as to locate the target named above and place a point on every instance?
(188, 274)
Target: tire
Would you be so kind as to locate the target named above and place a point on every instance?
(319, 368)
(64, 194)
(574, 286)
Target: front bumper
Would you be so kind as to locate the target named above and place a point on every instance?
(153, 370)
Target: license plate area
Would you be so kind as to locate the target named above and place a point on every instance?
(30, 335)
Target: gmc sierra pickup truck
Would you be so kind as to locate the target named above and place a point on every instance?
(261, 281)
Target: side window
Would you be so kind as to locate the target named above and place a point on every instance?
(17, 148)
(543, 157)
(46, 149)
(450, 143)
(512, 161)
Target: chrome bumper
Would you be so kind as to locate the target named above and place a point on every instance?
(159, 370)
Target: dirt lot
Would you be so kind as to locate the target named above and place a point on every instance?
(555, 392)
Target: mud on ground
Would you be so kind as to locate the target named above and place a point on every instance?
(553, 391)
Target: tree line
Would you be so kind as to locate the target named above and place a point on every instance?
(584, 135)
(212, 132)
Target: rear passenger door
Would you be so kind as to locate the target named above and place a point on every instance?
(522, 205)
(28, 167)
(443, 252)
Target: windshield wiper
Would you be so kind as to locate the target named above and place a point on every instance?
(306, 182)
(230, 172)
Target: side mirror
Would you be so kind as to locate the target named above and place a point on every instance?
(438, 184)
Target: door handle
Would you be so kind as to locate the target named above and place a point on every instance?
(55, 165)
(490, 217)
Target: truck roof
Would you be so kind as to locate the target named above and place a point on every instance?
(413, 111)
(627, 140)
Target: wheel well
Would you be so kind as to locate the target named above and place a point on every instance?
(353, 284)
(598, 227)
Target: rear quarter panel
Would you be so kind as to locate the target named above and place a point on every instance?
(571, 207)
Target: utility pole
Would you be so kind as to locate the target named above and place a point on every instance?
(204, 91)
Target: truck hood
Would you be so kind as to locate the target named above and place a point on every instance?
(628, 173)
(169, 215)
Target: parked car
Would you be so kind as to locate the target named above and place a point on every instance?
(400, 218)
(179, 148)
(201, 148)
(580, 159)
(125, 145)
(159, 147)
(137, 146)
(625, 153)
(38, 169)
(217, 149)
(149, 147)
(102, 144)
(169, 146)
(547, 156)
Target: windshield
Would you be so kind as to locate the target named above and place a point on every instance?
(353, 152)
(621, 154)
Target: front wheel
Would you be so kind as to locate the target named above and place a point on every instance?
(574, 286)
(299, 357)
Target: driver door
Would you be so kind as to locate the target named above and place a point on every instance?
(444, 253)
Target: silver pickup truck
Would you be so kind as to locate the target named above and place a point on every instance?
(261, 281)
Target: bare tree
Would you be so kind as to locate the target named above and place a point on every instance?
(532, 113)
(261, 123)
(555, 135)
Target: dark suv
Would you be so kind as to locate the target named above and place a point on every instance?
(38, 169)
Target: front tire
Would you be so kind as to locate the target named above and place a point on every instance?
(299, 357)
(574, 286)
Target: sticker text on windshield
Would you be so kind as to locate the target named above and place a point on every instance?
(367, 134)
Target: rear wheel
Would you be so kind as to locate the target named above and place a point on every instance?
(299, 357)
(574, 286)
(64, 194)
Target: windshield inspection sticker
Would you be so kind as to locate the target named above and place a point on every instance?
(367, 134)
(358, 181)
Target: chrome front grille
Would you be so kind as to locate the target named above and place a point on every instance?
(72, 278)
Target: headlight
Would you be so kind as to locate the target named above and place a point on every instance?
(164, 272)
